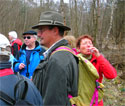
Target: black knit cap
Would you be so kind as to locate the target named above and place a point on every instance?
(30, 33)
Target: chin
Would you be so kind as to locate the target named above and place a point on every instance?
(41, 43)
(88, 54)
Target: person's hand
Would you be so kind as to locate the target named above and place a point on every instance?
(95, 51)
(21, 66)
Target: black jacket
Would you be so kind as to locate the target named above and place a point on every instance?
(57, 77)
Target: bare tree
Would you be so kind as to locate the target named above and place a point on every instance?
(76, 23)
(111, 21)
(62, 10)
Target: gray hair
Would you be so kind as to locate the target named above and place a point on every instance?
(35, 36)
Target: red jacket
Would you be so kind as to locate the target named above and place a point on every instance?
(103, 67)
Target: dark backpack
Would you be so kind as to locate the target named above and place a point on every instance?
(20, 100)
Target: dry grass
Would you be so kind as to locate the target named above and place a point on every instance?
(114, 92)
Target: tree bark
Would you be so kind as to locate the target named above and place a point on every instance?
(110, 25)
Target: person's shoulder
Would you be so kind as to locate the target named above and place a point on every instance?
(60, 52)
(62, 56)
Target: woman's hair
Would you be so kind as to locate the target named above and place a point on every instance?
(82, 37)
(71, 40)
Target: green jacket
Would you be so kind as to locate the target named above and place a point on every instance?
(57, 77)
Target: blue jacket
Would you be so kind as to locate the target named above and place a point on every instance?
(35, 58)
(11, 60)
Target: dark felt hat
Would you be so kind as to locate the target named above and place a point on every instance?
(30, 33)
(51, 18)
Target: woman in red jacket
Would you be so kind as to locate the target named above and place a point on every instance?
(85, 46)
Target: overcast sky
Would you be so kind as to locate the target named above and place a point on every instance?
(65, 1)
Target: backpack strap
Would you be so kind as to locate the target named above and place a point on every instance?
(63, 48)
(24, 91)
(6, 98)
(95, 94)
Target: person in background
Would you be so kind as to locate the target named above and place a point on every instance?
(31, 53)
(85, 46)
(72, 42)
(60, 73)
(8, 79)
(15, 42)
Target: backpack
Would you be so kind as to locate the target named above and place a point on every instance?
(89, 89)
(15, 47)
(21, 96)
(18, 42)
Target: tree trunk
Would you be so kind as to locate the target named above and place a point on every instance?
(110, 25)
(76, 26)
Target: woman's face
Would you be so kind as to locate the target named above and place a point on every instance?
(85, 46)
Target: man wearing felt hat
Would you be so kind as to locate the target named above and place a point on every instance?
(31, 53)
(57, 77)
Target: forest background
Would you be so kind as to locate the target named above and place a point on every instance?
(103, 19)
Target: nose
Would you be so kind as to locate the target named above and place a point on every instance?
(38, 34)
(88, 45)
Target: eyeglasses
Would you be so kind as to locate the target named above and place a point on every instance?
(28, 37)
(41, 30)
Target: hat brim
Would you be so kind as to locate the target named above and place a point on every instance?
(40, 24)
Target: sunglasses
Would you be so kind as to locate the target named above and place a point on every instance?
(28, 37)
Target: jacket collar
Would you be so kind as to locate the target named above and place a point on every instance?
(24, 45)
(94, 58)
(62, 42)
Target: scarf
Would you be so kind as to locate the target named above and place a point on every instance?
(89, 57)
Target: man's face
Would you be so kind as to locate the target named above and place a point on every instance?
(46, 36)
(29, 39)
(85, 46)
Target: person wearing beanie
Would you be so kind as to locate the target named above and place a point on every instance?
(8, 79)
(15, 43)
(31, 53)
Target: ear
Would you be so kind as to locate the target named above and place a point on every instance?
(56, 30)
